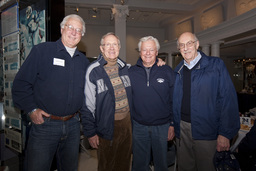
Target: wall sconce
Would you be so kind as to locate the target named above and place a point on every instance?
(77, 9)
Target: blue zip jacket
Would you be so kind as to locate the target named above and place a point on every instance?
(152, 98)
(51, 80)
(214, 106)
(98, 111)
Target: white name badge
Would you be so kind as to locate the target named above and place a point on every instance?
(58, 62)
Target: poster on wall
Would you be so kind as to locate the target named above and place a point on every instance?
(23, 26)
(13, 139)
(32, 27)
(1, 68)
(9, 19)
(11, 65)
(11, 53)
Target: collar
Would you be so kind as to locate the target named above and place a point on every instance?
(193, 62)
(61, 47)
(140, 63)
(102, 61)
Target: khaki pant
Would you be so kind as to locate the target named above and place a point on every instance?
(194, 155)
(115, 155)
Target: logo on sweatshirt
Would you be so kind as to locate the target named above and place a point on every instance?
(160, 80)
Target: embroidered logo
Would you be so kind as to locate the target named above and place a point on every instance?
(101, 86)
(160, 80)
(126, 80)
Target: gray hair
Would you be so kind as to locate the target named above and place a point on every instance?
(143, 39)
(110, 33)
(64, 21)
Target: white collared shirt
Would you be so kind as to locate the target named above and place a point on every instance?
(71, 51)
(193, 62)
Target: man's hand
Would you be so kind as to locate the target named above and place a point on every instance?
(94, 141)
(223, 143)
(160, 62)
(37, 116)
(171, 133)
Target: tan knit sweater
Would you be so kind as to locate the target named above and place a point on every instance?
(122, 105)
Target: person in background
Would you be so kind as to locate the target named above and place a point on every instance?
(205, 107)
(246, 151)
(106, 112)
(49, 88)
(152, 89)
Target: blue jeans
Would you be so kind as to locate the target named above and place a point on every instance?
(146, 139)
(53, 136)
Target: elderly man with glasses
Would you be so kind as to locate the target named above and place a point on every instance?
(106, 113)
(205, 107)
(49, 89)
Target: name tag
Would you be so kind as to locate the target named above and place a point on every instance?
(58, 62)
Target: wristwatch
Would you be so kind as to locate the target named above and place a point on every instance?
(29, 113)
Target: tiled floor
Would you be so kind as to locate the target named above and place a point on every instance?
(87, 162)
(88, 158)
(12, 164)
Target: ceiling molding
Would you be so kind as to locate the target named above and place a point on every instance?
(235, 26)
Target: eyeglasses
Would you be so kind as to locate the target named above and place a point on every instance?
(188, 44)
(108, 45)
(77, 30)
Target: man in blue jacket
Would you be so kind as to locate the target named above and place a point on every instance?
(152, 88)
(49, 88)
(205, 107)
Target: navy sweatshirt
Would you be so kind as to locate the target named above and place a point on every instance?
(152, 97)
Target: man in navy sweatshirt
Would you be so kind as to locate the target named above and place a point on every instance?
(49, 89)
(152, 88)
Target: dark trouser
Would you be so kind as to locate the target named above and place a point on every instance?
(115, 155)
(53, 136)
(145, 140)
(194, 155)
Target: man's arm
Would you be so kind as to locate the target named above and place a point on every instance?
(160, 62)
(89, 106)
(22, 89)
(171, 133)
(37, 115)
(223, 143)
(229, 122)
(94, 141)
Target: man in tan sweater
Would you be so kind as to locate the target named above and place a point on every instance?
(106, 112)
